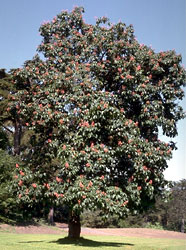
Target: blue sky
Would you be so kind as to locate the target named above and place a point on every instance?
(160, 24)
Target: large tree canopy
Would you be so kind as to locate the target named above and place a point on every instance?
(96, 103)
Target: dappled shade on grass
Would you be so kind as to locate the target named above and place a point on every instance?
(89, 243)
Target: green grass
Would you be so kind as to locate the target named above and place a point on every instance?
(11, 241)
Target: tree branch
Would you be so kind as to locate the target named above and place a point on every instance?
(7, 129)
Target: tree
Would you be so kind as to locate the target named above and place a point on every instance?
(96, 103)
(171, 214)
(9, 120)
(8, 205)
(176, 207)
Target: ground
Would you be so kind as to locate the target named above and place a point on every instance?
(61, 227)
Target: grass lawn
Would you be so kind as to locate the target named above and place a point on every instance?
(11, 241)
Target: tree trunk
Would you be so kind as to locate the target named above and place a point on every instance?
(51, 216)
(74, 225)
(182, 225)
(17, 137)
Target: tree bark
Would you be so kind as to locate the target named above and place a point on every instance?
(182, 225)
(17, 137)
(74, 225)
(51, 216)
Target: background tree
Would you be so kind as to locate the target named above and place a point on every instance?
(176, 207)
(96, 103)
(9, 120)
(13, 138)
(171, 214)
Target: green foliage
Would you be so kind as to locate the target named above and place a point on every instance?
(95, 219)
(10, 210)
(95, 105)
(175, 213)
(8, 204)
(6, 87)
(4, 143)
(156, 225)
(169, 215)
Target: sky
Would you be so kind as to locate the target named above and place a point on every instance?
(157, 23)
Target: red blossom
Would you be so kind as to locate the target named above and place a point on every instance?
(20, 183)
(61, 121)
(81, 185)
(138, 67)
(124, 203)
(56, 194)
(90, 184)
(34, 185)
(145, 168)
(120, 70)
(136, 124)
(66, 165)
(105, 150)
(128, 76)
(58, 179)
(105, 105)
(21, 173)
(47, 185)
(169, 151)
(131, 179)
